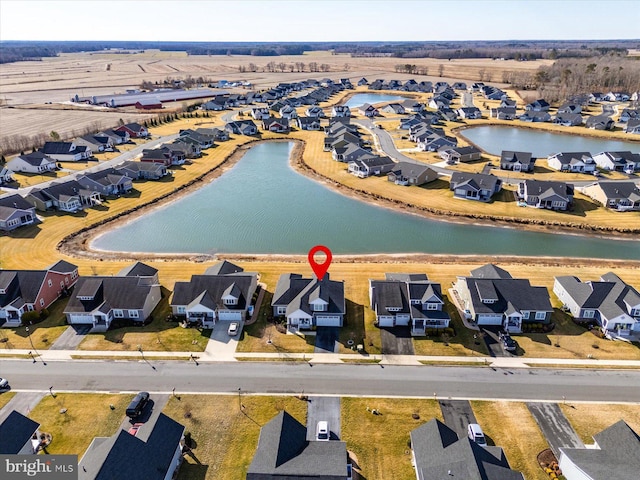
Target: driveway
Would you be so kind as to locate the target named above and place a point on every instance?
(22, 402)
(496, 349)
(555, 426)
(151, 411)
(323, 408)
(457, 415)
(396, 341)
(71, 337)
(327, 339)
(221, 346)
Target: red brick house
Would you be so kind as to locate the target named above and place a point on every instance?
(135, 130)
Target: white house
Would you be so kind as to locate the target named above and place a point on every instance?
(574, 162)
(36, 162)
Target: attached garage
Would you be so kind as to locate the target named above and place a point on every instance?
(328, 321)
(235, 315)
(386, 321)
(489, 319)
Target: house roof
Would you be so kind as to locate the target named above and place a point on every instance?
(138, 269)
(475, 181)
(490, 271)
(15, 432)
(20, 286)
(36, 158)
(411, 170)
(546, 189)
(296, 293)
(614, 190)
(127, 456)
(284, 452)
(389, 294)
(114, 292)
(507, 293)
(618, 455)
(571, 158)
(15, 201)
(510, 156)
(439, 454)
(223, 268)
(216, 286)
(62, 266)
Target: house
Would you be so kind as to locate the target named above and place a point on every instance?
(600, 122)
(469, 113)
(620, 196)
(435, 142)
(308, 123)
(597, 97)
(135, 130)
(503, 113)
(517, 161)
(363, 81)
(617, 97)
(108, 182)
(131, 295)
(242, 127)
(204, 140)
(188, 147)
(507, 102)
(460, 154)
(6, 175)
(284, 453)
(611, 302)
(67, 196)
(157, 156)
(491, 296)
(371, 165)
(314, 111)
(632, 126)
(408, 300)
(406, 174)
(153, 452)
(474, 186)
(95, 143)
(614, 454)
(215, 133)
(309, 302)
(535, 116)
(394, 108)
(438, 453)
(570, 107)
(276, 125)
(368, 110)
(412, 106)
(116, 137)
(540, 105)
(35, 162)
(438, 102)
(626, 161)
(574, 162)
(224, 292)
(66, 151)
(543, 194)
(260, 113)
(149, 103)
(459, 86)
(288, 112)
(33, 290)
(629, 114)
(340, 111)
(19, 435)
(347, 152)
(568, 119)
(16, 212)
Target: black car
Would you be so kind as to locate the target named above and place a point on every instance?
(137, 405)
(508, 343)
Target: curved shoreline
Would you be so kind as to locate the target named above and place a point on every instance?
(79, 243)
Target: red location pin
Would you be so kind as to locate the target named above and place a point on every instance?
(320, 269)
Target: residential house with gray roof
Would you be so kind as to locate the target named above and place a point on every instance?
(284, 453)
(460, 154)
(407, 174)
(545, 194)
(308, 123)
(517, 161)
(99, 300)
(437, 453)
(492, 297)
(66, 151)
(535, 116)
(568, 119)
(539, 105)
(142, 170)
(6, 175)
(309, 302)
(625, 161)
(614, 454)
(35, 162)
(66, 196)
(19, 435)
(620, 196)
(574, 162)
(108, 182)
(153, 452)
(611, 302)
(221, 293)
(242, 127)
(632, 126)
(340, 111)
(408, 300)
(503, 113)
(600, 122)
(474, 186)
(16, 212)
(370, 165)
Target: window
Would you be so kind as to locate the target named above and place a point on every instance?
(319, 307)
(432, 306)
(589, 313)
(525, 315)
(230, 301)
(133, 314)
(42, 302)
(282, 310)
(66, 280)
(118, 314)
(61, 284)
(182, 309)
(50, 283)
(541, 315)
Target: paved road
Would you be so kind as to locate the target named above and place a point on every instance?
(326, 379)
(555, 426)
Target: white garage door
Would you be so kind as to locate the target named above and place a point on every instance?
(230, 315)
(489, 320)
(327, 321)
(385, 321)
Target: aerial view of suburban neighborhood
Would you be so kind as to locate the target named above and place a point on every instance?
(304, 240)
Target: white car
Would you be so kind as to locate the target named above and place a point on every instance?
(476, 434)
(233, 329)
(322, 431)
(4, 384)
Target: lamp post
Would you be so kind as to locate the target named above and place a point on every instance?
(32, 345)
(239, 398)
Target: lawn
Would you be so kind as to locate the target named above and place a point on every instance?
(159, 335)
(226, 438)
(5, 397)
(588, 419)
(87, 415)
(379, 444)
(510, 425)
(42, 334)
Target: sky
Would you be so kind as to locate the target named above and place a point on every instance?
(319, 20)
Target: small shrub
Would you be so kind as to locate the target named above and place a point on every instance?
(44, 313)
(30, 317)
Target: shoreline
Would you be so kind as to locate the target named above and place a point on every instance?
(79, 243)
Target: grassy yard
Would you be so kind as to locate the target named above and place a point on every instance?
(88, 415)
(510, 425)
(226, 438)
(589, 419)
(42, 334)
(5, 397)
(380, 443)
(159, 335)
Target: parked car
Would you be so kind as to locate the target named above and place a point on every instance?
(4, 384)
(476, 434)
(322, 431)
(137, 405)
(134, 428)
(508, 343)
(233, 329)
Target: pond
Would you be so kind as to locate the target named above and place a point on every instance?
(493, 139)
(362, 98)
(262, 205)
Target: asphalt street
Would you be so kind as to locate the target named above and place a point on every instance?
(326, 379)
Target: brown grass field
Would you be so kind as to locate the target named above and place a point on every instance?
(589, 419)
